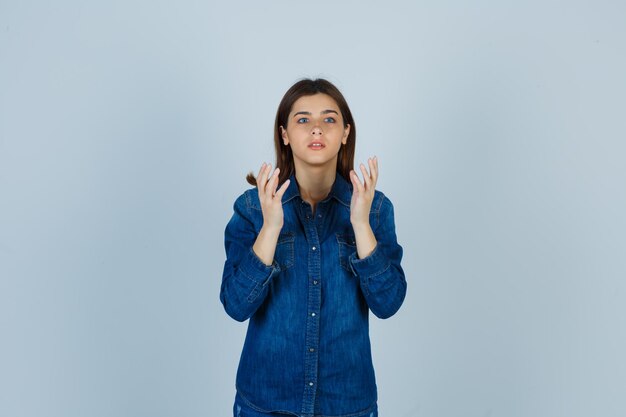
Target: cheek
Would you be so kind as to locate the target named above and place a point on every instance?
(337, 131)
(298, 130)
(293, 133)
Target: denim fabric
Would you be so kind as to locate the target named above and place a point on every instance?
(307, 349)
(241, 408)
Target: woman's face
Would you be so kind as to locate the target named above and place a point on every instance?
(315, 131)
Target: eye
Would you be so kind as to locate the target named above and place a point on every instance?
(302, 120)
(330, 119)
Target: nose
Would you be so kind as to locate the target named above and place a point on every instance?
(316, 131)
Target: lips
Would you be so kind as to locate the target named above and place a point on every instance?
(316, 145)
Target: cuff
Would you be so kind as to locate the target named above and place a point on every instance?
(374, 264)
(254, 268)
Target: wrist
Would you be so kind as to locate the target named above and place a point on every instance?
(271, 229)
(361, 227)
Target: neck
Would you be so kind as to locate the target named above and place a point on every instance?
(315, 183)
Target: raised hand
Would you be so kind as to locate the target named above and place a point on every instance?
(363, 193)
(270, 198)
(360, 205)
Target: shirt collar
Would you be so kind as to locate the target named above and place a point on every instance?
(341, 190)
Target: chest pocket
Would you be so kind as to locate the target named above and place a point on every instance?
(284, 254)
(347, 246)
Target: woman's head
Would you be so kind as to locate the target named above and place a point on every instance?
(283, 125)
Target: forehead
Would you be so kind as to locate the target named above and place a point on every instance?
(315, 103)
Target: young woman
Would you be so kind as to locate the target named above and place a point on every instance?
(309, 252)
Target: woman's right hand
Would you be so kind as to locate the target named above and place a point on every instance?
(270, 198)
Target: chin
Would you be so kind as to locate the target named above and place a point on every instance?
(318, 161)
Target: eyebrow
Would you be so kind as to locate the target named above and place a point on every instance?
(308, 113)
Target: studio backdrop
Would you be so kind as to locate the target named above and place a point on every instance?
(126, 131)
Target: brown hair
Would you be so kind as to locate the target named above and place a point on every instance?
(284, 156)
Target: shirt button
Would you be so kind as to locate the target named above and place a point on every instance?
(311, 350)
(313, 314)
(314, 248)
(319, 215)
(314, 282)
(310, 384)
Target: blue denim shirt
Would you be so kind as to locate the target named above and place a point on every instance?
(307, 348)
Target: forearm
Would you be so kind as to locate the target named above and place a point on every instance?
(382, 282)
(385, 292)
(265, 244)
(364, 238)
(380, 274)
(249, 266)
(245, 284)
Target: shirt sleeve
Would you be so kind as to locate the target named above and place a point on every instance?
(380, 274)
(245, 278)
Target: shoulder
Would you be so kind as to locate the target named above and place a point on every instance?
(381, 202)
(382, 210)
(248, 201)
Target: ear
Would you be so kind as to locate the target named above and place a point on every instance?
(283, 133)
(346, 132)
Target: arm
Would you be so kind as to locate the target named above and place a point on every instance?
(377, 260)
(380, 274)
(250, 262)
(246, 277)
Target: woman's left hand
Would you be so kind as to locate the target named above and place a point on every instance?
(363, 193)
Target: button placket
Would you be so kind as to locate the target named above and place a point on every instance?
(313, 309)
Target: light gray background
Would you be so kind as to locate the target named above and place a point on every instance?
(126, 129)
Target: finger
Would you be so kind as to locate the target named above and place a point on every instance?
(282, 189)
(366, 176)
(261, 171)
(260, 182)
(266, 177)
(273, 183)
(373, 163)
(269, 185)
(259, 176)
(358, 187)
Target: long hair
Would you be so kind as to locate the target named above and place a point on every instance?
(284, 156)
